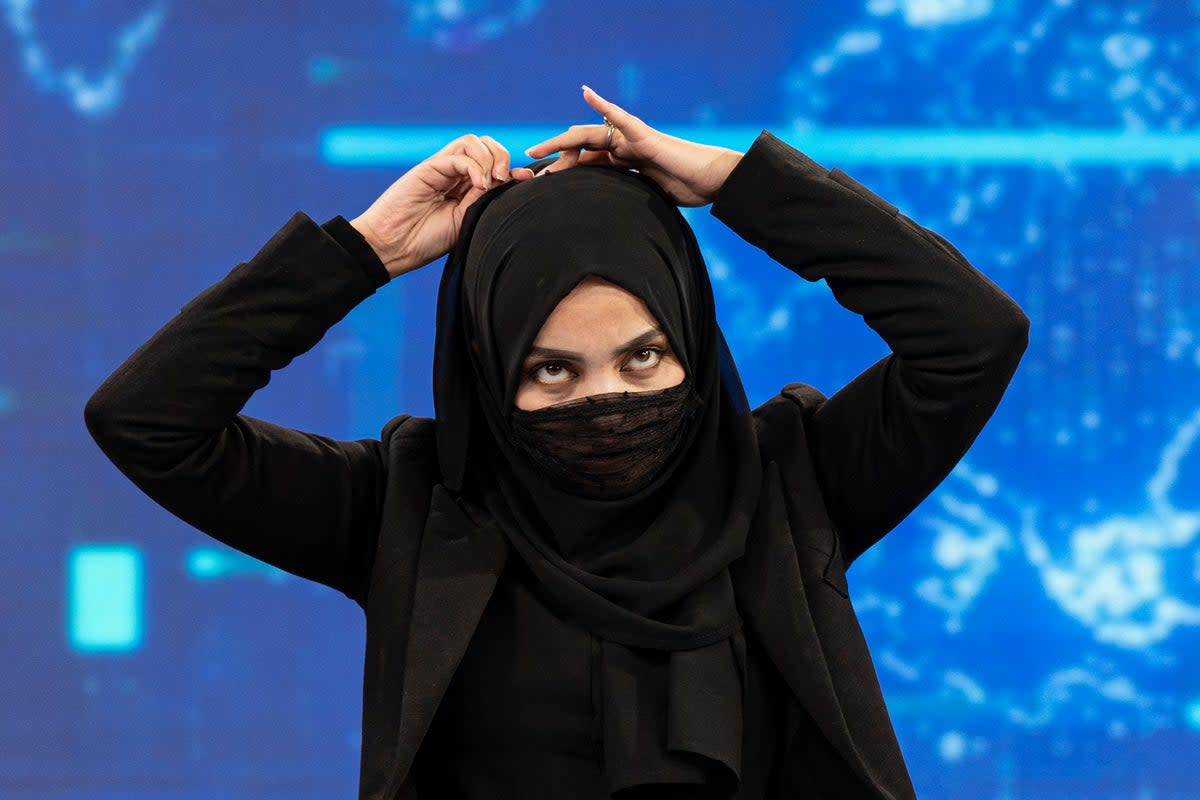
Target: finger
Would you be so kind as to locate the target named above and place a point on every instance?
(568, 159)
(476, 149)
(595, 157)
(458, 145)
(471, 145)
(455, 167)
(500, 158)
(619, 117)
(591, 137)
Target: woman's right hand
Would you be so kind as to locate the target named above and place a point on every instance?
(417, 218)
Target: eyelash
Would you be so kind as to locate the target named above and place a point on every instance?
(533, 371)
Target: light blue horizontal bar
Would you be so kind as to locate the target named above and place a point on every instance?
(399, 145)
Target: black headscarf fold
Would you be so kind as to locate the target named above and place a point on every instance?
(646, 574)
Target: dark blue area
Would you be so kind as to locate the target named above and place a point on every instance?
(1015, 618)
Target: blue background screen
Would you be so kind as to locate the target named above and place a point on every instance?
(1034, 622)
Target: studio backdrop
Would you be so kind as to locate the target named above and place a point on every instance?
(1035, 623)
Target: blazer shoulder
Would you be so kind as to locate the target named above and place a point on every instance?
(776, 420)
(792, 398)
(409, 438)
(407, 429)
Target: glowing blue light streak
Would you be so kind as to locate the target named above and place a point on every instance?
(211, 563)
(397, 145)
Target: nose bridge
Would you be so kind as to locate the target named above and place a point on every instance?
(601, 381)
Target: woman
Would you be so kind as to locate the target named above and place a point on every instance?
(598, 573)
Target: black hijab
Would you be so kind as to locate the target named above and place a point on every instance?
(647, 574)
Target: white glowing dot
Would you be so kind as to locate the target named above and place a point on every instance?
(952, 746)
(951, 550)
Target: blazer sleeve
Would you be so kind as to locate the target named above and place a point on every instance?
(168, 417)
(882, 443)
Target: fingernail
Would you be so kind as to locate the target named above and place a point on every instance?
(529, 152)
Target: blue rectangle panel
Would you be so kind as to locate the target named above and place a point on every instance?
(104, 598)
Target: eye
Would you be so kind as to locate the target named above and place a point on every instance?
(645, 358)
(550, 373)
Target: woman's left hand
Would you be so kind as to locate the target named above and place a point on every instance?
(689, 172)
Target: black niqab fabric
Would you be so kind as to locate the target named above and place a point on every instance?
(647, 574)
(609, 446)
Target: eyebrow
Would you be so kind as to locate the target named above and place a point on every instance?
(640, 340)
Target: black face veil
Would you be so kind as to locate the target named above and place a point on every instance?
(648, 573)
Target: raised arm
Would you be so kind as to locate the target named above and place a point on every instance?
(883, 442)
(169, 416)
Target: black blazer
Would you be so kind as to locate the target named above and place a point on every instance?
(370, 517)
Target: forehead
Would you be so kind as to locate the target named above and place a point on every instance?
(595, 312)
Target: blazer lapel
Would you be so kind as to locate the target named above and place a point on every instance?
(771, 594)
(457, 569)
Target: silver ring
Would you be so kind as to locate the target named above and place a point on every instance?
(608, 138)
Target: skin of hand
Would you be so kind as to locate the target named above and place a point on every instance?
(691, 173)
(417, 219)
